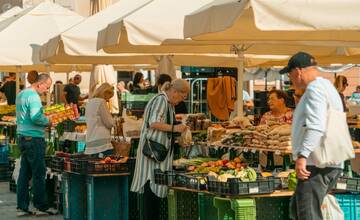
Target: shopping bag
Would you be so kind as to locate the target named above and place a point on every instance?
(336, 145)
(330, 209)
(119, 142)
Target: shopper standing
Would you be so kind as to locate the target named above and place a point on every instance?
(72, 91)
(310, 117)
(9, 89)
(158, 126)
(341, 84)
(99, 121)
(31, 124)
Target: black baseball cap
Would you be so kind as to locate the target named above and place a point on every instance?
(299, 60)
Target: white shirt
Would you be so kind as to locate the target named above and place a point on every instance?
(311, 116)
(99, 123)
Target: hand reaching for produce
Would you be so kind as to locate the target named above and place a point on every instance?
(180, 128)
(300, 168)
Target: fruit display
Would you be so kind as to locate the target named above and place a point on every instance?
(356, 144)
(80, 128)
(7, 109)
(107, 160)
(245, 174)
(8, 118)
(59, 113)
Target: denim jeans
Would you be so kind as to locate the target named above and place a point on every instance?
(309, 194)
(32, 166)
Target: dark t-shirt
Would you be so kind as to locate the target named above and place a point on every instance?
(72, 93)
(9, 89)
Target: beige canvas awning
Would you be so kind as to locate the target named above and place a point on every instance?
(78, 45)
(22, 35)
(219, 26)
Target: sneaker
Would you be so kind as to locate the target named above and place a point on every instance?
(41, 213)
(20, 213)
(52, 211)
(49, 211)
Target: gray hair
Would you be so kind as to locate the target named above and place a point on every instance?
(42, 78)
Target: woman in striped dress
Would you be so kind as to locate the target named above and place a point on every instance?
(159, 117)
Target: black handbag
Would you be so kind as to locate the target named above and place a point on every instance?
(154, 150)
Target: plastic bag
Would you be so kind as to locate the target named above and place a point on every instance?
(131, 126)
(185, 138)
(330, 209)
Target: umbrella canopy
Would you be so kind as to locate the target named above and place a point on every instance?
(77, 45)
(176, 21)
(141, 31)
(22, 35)
(11, 12)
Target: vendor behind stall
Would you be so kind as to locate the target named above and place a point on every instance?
(279, 113)
(99, 121)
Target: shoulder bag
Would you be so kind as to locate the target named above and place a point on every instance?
(336, 146)
(152, 149)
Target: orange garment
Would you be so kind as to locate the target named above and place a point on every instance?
(221, 96)
(230, 91)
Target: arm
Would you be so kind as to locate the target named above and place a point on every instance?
(63, 97)
(105, 115)
(157, 117)
(316, 118)
(36, 111)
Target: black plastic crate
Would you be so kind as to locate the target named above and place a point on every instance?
(57, 164)
(234, 186)
(348, 184)
(195, 181)
(96, 166)
(165, 178)
(260, 186)
(218, 187)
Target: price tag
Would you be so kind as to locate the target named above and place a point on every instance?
(277, 152)
(253, 189)
(253, 151)
(246, 149)
(341, 186)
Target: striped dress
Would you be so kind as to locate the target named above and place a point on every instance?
(144, 168)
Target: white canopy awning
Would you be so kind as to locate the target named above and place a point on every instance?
(22, 35)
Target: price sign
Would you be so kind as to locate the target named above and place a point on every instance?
(253, 151)
(253, 189)
(341, 186)
(277, 152)
(246, 149)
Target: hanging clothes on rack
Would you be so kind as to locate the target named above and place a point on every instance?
(221, 96)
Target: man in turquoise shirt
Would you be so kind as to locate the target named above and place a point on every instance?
(31, 124)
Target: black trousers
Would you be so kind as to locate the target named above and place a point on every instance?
(309, 194)
(151, 203)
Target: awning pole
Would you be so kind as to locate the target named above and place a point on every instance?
(240, 80)
(18, 79)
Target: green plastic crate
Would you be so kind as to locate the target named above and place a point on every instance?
(207, 210)
(14, 151)
(235, 209)
(275, 208)
(183, 205)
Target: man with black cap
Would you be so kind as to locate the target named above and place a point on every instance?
(308, 129)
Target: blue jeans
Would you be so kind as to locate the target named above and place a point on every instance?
(32, 166)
